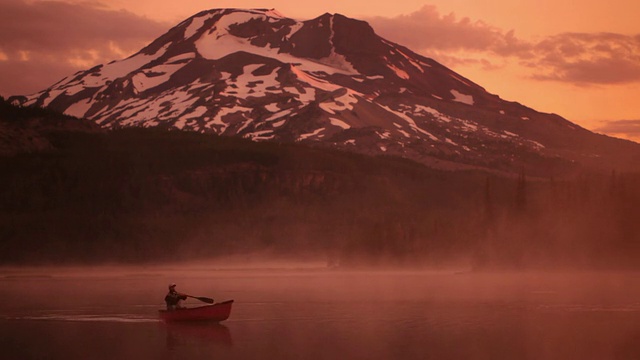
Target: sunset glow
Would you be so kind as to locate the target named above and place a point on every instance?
(240, 179)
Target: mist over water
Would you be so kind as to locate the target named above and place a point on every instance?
(298, 310)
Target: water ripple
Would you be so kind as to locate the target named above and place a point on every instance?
(117, 318)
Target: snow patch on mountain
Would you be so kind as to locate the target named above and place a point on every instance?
(339, 123)
(307, 95)
(52, 94)
(414, 63)
(340, 103)
(150, 78)
(410, 121)
(460, 80)
(218, 43)
(277, 124)
(274, 14)
(79, 109)
(74, 89)
(181, 58)
(420, 109)
(462, 98)
(122, 68)
(273, 107)
(315, 133)
(294, 29)
(196, 24)
(399, 72)
(247, 84)
(262, 135)
(189, 116)
(218, 123)
(279, 115)
(537, 144)
(337, 60)
(313, 80)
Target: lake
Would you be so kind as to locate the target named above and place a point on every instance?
(315, 313)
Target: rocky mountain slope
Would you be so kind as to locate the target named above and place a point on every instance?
(330, 81)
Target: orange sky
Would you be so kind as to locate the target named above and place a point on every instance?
(580, 60)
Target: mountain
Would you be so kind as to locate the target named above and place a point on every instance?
(330, 81)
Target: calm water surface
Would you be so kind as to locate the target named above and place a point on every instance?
(322, 314)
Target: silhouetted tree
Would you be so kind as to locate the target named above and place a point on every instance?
(488, 202)
(521, 193)
(613, 183)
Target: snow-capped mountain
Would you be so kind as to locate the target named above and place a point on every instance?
(329, 81)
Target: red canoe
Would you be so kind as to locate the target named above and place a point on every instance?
(216, 312)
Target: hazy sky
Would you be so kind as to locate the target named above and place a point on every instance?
(580, 60)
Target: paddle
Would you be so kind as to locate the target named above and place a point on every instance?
(201, 298)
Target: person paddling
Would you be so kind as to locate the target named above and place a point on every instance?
(173, 298)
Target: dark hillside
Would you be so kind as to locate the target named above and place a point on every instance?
(146, 193)
(149, 194)
(28, 129)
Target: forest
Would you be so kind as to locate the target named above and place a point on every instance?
(147, 195)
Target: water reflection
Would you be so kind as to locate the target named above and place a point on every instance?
(180, 335)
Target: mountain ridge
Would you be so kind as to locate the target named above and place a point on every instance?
(329, 81)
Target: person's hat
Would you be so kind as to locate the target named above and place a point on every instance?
(172, 285)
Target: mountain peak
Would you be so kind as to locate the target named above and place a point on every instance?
(274, 13)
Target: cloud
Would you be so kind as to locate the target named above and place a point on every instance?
(47, 40)
(629, 129)
(577, 58)
(600, 58)
(427, 28)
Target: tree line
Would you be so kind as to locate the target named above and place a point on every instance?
(136, 194)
